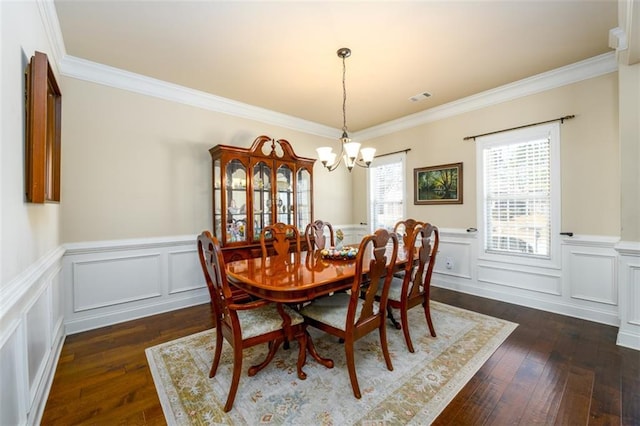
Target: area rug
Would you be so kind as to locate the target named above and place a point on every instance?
(415, 392)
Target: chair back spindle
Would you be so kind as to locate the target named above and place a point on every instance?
(284, 239)
(379, 274)
(316, 237)
(405, 228)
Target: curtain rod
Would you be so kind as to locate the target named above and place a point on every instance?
(394, 152)
(560, 119)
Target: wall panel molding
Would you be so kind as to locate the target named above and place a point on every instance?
(100, 283)
(629, 294)
(185, 272)
(108, 282)
(568, 290)
(592, 276)
(31, 338)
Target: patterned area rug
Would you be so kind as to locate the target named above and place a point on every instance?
(415, 392)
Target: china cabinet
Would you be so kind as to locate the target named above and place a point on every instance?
(255, 187)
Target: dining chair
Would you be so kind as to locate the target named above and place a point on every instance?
(279, 240)
(405, 229)
(244, 325)
(413, 288)
(316, 237)
(349, 317)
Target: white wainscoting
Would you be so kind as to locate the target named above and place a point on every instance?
(31, 339)
(586, 286)
(115, 281)
(629, 294)
(89, 285)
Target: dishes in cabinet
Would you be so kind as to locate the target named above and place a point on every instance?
(283, 185)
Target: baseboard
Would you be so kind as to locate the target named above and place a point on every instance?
(628, 340)
(99, 320)
(530, 301)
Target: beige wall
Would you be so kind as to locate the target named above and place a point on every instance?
(135, 166)
(27, 231)
(590, 154)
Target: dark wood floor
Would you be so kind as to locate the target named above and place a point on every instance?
(551, 370)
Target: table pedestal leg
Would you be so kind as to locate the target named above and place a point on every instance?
(302, 353)
(273, 347)
(312, 350)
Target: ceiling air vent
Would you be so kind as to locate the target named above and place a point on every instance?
(420, 96)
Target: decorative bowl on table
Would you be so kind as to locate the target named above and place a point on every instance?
(346, 253)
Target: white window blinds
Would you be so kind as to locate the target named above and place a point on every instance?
(518, 202)
(386, 191)
(517, 197)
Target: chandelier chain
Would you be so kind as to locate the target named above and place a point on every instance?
(344, 95)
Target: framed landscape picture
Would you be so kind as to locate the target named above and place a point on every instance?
(438, 184)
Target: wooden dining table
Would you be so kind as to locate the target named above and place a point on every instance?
(301, 277)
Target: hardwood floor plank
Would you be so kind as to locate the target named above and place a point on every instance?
(508, 410)
(552, 369)
(576, 399)
(483, 401)
(630, 386)
(479, 406)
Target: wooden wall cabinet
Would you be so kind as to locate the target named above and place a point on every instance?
(255, 187)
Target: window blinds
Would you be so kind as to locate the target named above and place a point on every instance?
(517, 190)
(386, 193)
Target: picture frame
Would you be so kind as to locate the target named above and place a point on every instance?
(440, 184)
(43, 128)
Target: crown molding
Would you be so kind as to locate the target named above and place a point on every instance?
(51, 25)
(83, 69)
(113, 77)
(589, 68)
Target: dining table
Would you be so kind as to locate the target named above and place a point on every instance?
(299, 278)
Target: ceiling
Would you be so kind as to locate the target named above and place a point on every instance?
(281, 55)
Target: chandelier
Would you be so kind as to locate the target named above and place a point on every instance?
(349, 151)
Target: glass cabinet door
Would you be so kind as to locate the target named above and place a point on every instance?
(236, 202)
(303, 195)
(217, 199)
(284, 195)
(262, 198)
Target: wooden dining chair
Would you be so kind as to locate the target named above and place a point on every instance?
(245, 324)
(404, 229)
(317, 238)
(279, 240)
(413, 288)
(349, 317)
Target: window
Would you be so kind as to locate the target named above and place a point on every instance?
(519, 194)
(386, 183)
